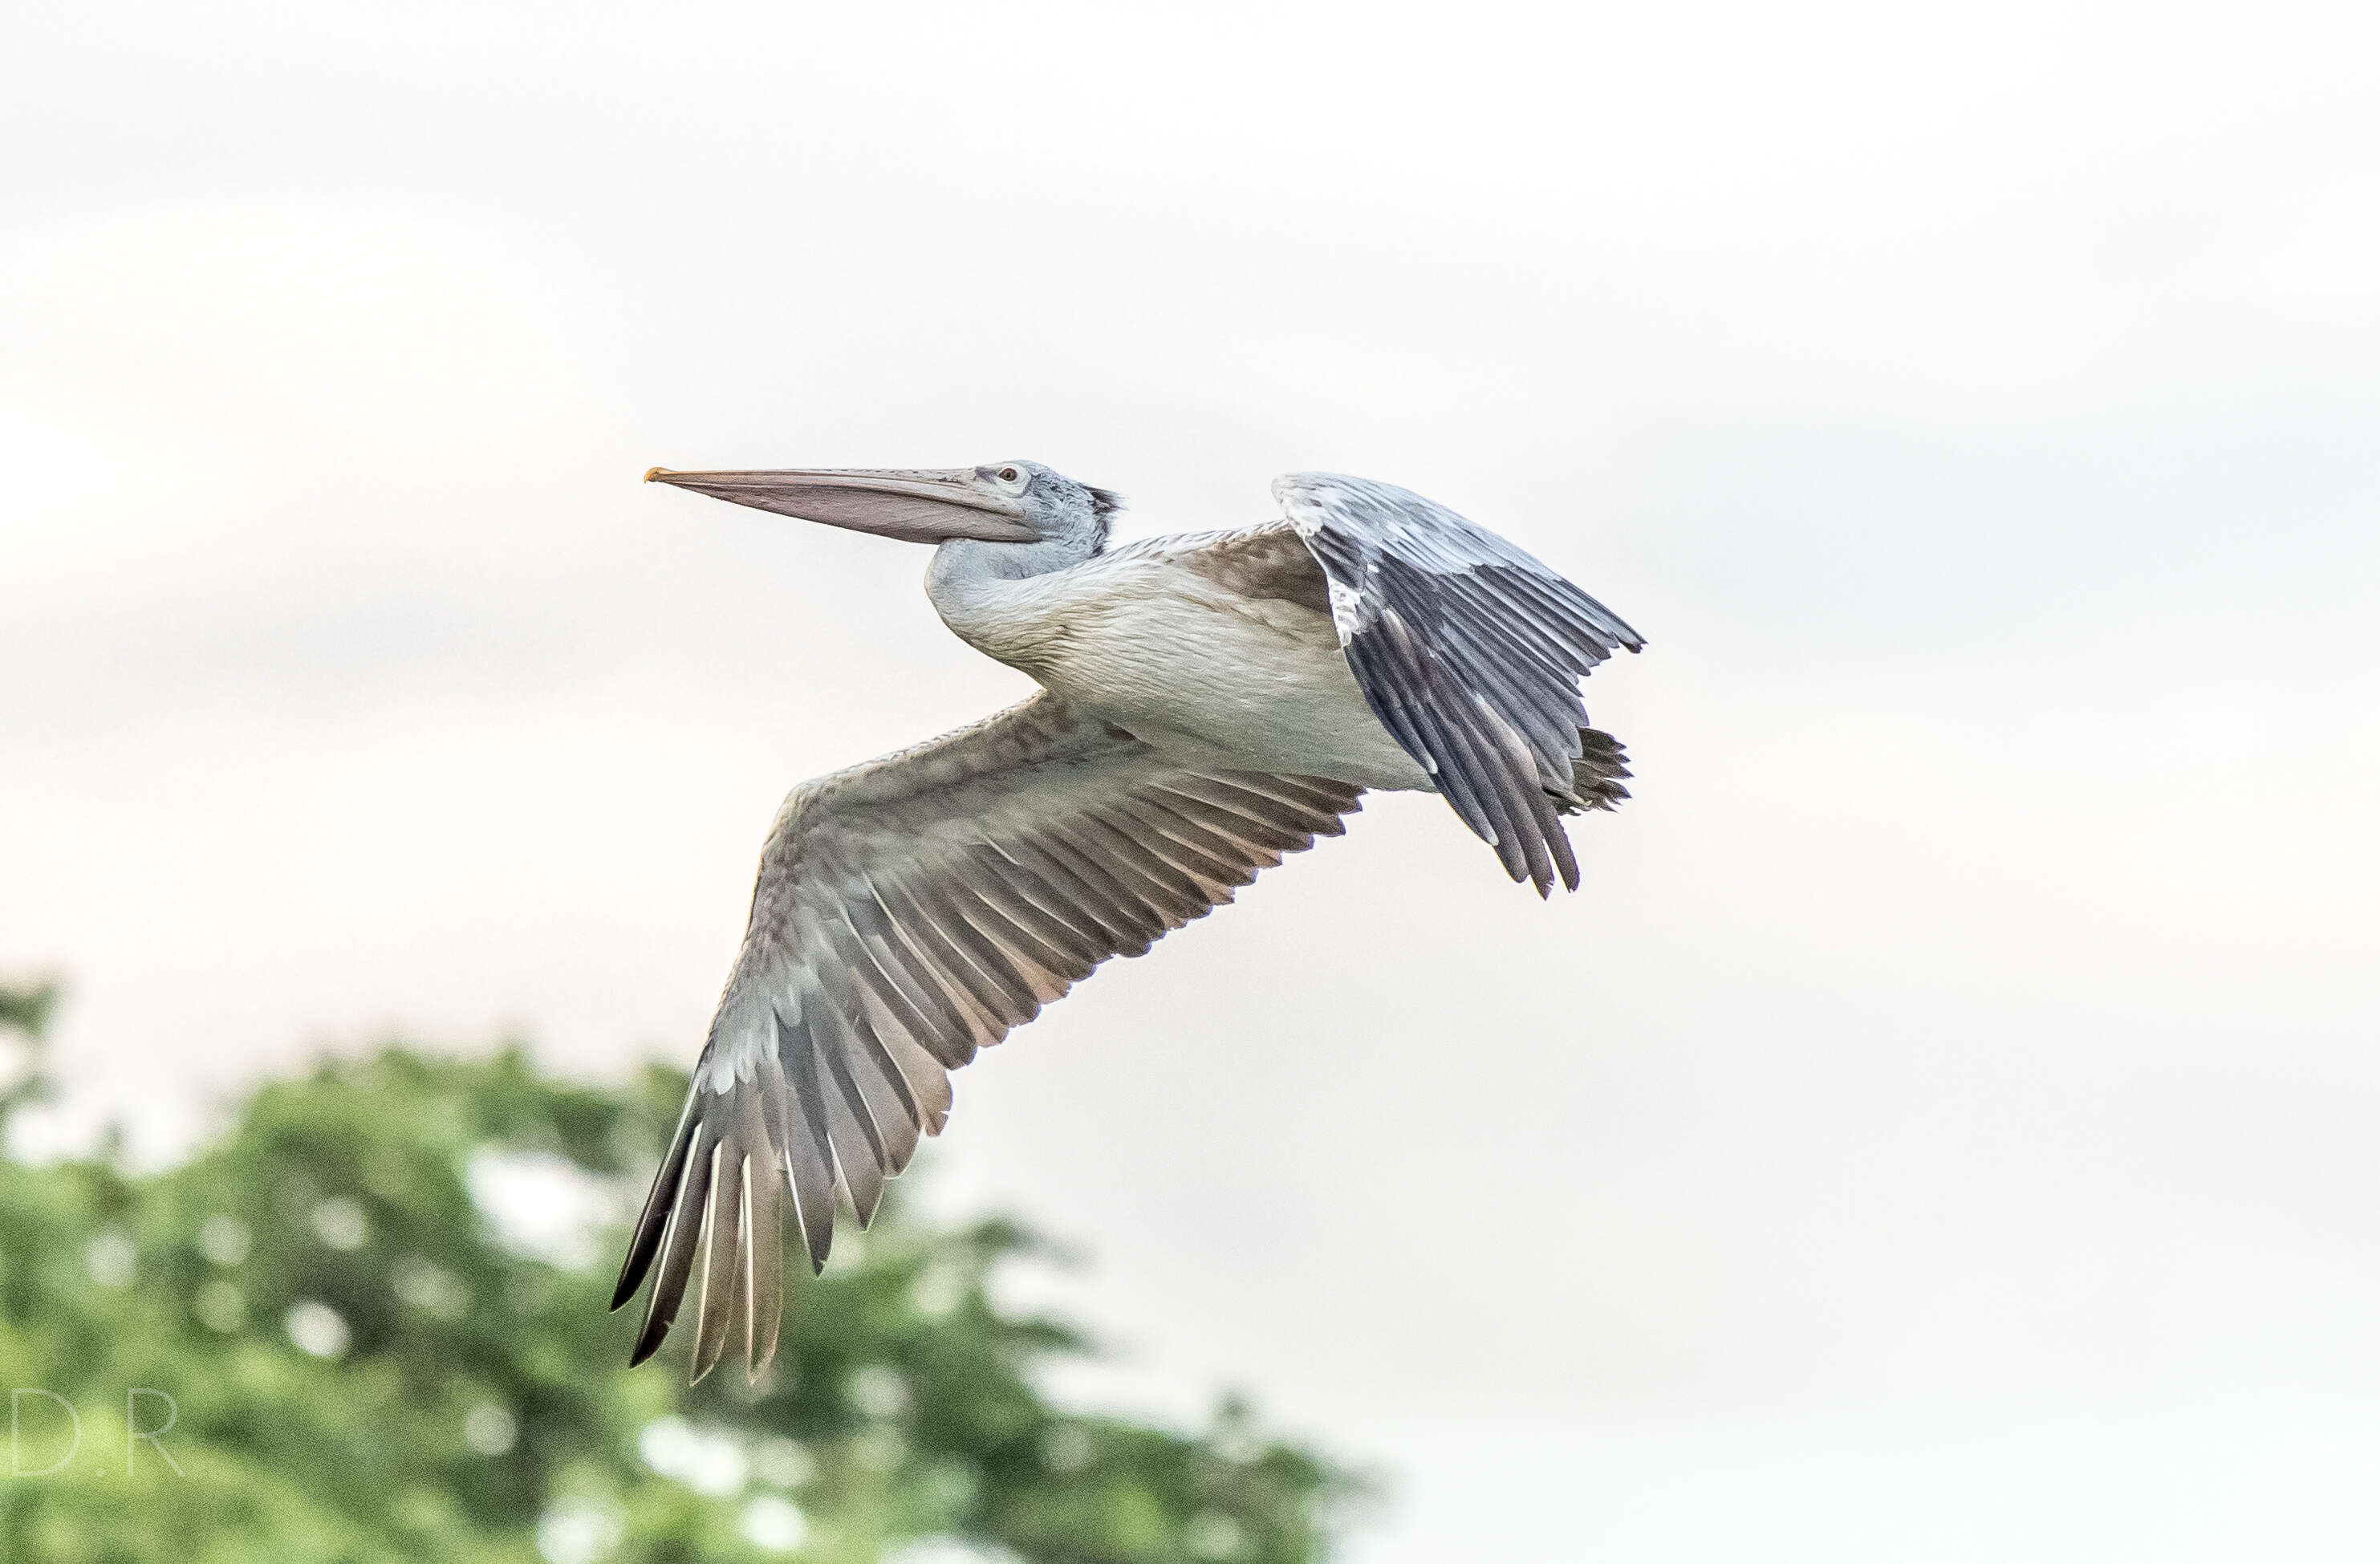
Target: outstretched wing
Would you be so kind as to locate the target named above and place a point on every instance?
(908, 912)
(1468, 651)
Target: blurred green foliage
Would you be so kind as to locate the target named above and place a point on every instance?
(343, 1355)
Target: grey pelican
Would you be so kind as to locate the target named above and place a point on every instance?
(1209, 703)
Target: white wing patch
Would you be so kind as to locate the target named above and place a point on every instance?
(1346, 609)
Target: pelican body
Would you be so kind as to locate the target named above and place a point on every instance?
(1209, 703)
(1162, 639)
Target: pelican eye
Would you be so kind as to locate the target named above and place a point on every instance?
(1008, 474)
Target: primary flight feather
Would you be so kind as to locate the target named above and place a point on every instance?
(1209, 703)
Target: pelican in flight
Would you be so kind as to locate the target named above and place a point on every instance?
(1209, 703)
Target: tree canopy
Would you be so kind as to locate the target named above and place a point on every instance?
(330, 1336)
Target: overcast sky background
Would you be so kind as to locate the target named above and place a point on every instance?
(1944, 1126)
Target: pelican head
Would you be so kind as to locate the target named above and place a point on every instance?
(1000, 502)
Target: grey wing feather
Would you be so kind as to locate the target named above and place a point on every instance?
(908, 912)
(1469, 650)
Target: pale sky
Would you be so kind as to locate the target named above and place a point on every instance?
(1942, 1128)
